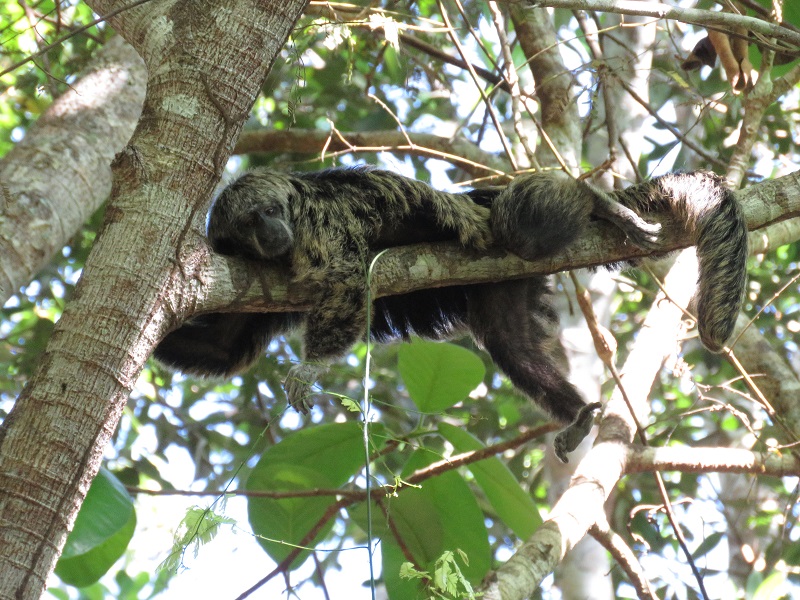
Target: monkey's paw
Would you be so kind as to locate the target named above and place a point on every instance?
(298, 385)
(568, 439)
(640, 232)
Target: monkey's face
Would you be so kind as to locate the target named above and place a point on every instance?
(250, 218)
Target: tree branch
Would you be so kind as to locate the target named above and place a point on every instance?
(409, 268)
(711, 460)
(694, 16)
(60, 173)
(459, 152)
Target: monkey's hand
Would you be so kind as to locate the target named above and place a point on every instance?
(568, 439)
(639, 231)
(298, 385)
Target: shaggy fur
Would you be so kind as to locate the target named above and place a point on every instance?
(326, 224)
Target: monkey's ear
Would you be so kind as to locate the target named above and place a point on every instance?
(703, 53)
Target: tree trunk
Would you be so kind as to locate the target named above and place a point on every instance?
(206, 61)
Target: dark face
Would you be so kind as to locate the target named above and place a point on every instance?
(249, 219)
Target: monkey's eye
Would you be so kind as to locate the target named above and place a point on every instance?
(270, 212)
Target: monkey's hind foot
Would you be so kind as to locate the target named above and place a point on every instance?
(640, 232)
(298, 385)
(568, 439)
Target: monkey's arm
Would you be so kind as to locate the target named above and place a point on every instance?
(411, 211)
(457, 212)
(336, 322)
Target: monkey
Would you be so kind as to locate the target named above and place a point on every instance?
(733, 55)
(326, 224)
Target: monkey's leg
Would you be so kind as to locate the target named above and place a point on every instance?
(639, 231)
(541, 213)
(516, 324)
(220, 344)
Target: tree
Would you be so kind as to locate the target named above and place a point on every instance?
(513, 87)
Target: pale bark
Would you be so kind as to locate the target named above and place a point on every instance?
(657, 10)
(60, 173)
(201, 86)
(582, 504)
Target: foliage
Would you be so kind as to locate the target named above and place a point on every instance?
(198, 527)
(439, 534)
(101, 533)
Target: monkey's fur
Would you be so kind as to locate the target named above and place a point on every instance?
(326, 225)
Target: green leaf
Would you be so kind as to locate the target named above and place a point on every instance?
(441, 515)
(102, 531)
(319, 457)
(774, 587)
(438, 375)
(511, 503)
(708, 544)
(791, 13)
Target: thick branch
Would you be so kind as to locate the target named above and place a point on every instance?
(55, 178)
(421, 266)
(711, 460)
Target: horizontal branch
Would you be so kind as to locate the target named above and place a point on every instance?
(694, 16)
(466, 155)
(711, 460)
(241, 285)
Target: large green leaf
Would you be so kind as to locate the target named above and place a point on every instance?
(511, 503)
(102, 531)
(438, 375)
(318, 457)
(442, 514)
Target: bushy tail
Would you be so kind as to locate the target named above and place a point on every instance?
(712, 215)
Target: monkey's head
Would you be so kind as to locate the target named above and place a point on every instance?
(251, 217)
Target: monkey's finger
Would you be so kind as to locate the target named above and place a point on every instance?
(639, 231)
(645, 237)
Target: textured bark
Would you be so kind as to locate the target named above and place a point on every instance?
(60, 173)
(206, 61)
